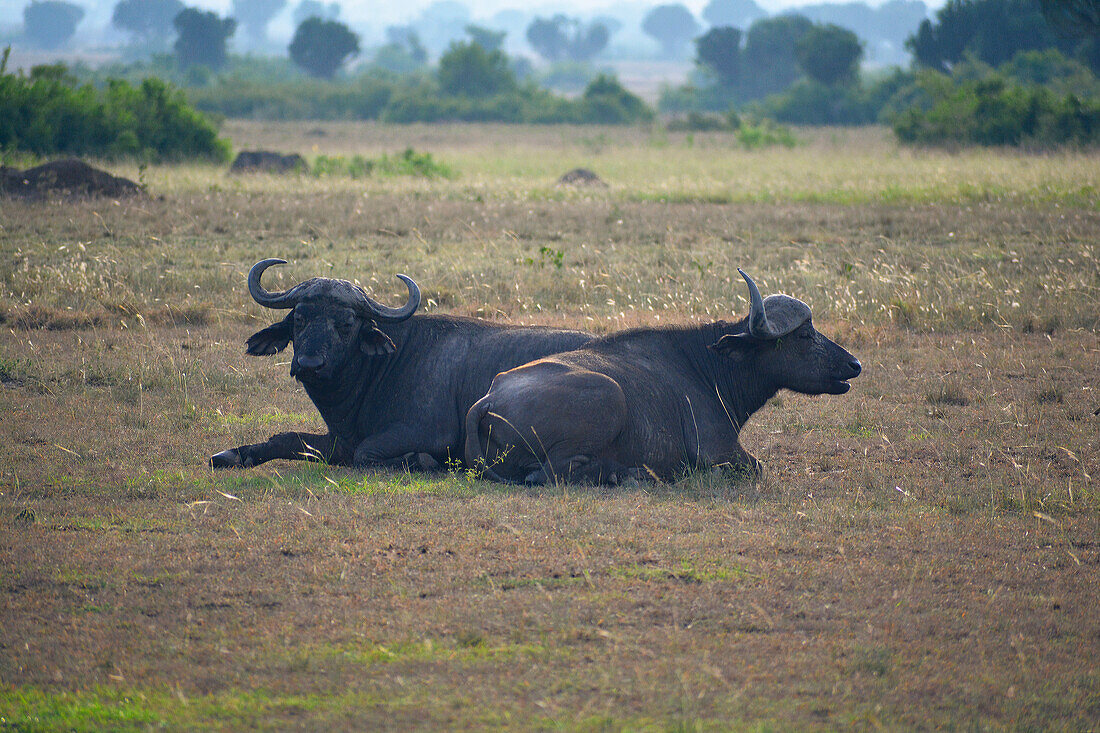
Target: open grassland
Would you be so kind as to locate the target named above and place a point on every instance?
(922, 552)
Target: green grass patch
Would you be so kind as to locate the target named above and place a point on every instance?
(105, 708)
(260, 418)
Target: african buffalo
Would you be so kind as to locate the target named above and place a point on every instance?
(651, 401)
(392, 387)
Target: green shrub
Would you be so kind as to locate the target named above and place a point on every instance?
(567, 76)
(809, 102)
(765, 134)
(605, 100)
(751, 135)
(993, 111)
(407, 163)
(47, 113)
(363, 98)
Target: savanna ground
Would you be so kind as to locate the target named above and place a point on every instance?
(922, 552)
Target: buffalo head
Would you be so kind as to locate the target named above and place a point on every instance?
(783, 348)
(329, 322)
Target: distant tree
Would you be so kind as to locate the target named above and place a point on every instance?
(610, 22)
(719, 50)
(487, 38)
(202, 38)
(547, 37)
(150, 21)
(883, 27)
(992, 31)
(403, 52)
(321, 47)
(673, 26)
(50, 23)
(1073, 17)
(736, 13)
(255, 15)
(442, 23)
(468, 70)
(562, 37)
(407, 37)
(768, 62)
(589, 41)
(830, 54)
(307, 9)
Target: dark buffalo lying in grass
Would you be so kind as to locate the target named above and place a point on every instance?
(652, 401)
(392, 387)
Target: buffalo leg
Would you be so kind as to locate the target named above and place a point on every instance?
(288, 446)
(741, 461)
(394, 448)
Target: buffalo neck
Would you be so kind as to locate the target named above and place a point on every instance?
(338, 399)
(738, 382)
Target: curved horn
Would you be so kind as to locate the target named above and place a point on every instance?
(758, 319)
(385, 313)
(342, 289)
(286, 299)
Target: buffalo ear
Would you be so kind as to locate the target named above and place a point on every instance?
(272, 339)
(733, 344)
(373, 342)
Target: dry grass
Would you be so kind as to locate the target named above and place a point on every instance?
(921, 553)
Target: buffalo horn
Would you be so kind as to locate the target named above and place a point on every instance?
(338, 288)
(385, 313)
(758, 319)
(775, 316)
(286, 299)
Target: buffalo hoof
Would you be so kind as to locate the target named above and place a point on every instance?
(226, 459)
(536, 478)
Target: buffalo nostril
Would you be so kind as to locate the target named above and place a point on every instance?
(855, 367)
(310, 362)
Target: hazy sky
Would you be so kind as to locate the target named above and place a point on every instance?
(380, 13)
(484, 8)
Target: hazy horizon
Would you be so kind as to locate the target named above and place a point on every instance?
(381, 14)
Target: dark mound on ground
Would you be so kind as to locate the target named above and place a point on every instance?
(265, 161)
(71, 177)
(581, 177)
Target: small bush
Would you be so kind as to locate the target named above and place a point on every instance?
(765, 134)
(751, 135)
(46, 113)
(606, 101)
(407, 163)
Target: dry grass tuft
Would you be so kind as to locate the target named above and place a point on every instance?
(949, 392)
(34, 317)
(189, 314)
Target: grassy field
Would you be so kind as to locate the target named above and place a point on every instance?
(921, 552)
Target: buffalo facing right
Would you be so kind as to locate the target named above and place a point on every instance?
(652, 401)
